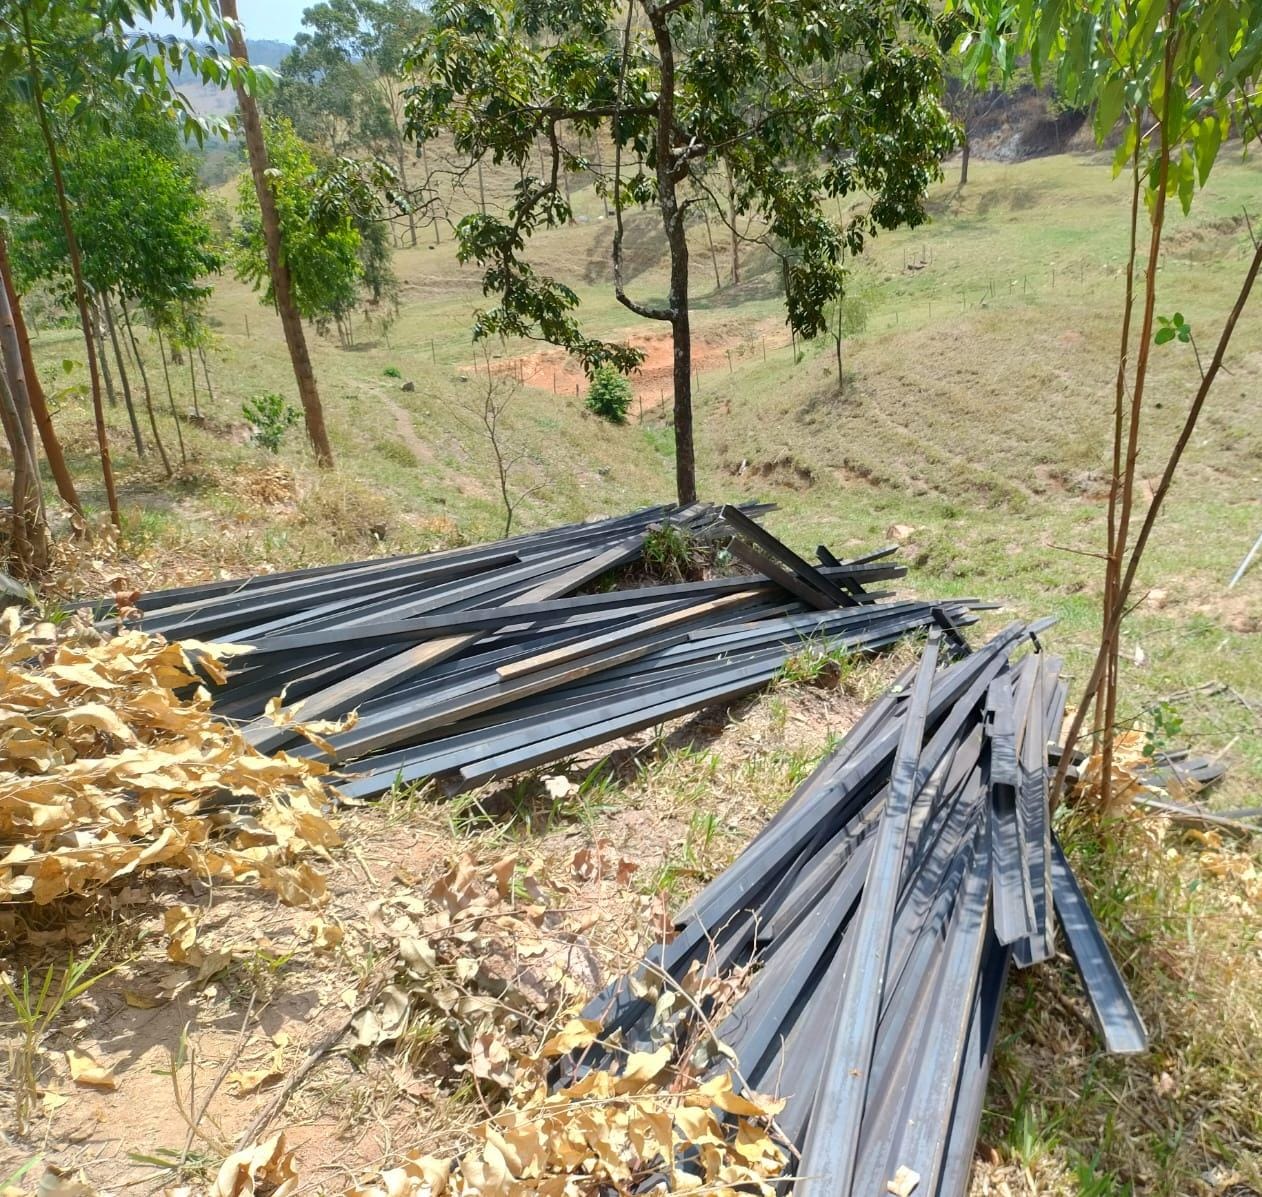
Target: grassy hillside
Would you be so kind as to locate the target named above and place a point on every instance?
(976, 412)
(976, 416)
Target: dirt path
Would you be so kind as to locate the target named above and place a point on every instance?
(406, 431)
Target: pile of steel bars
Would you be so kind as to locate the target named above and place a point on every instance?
(873, 923)
(475, 664)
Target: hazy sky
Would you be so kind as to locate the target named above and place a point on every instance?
(275, 19)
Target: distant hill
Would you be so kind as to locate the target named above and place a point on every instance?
(215, 102)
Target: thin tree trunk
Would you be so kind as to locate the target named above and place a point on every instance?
(175, 415)
(282, 285)
(731, 216)
(481, 189)
(76, 268)
(53, 453)
(192, 377)
(965, 151)
(600, 170)
(1113, 559)
(123, 379)
(438, 236)
(144, 382)
(714, 257)
(210, 391)
(107, 376)
(401, 155)
(669, 171)
(29, 528)
(841, 383)
(1127, 501)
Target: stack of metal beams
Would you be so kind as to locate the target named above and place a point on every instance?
(872, 925)
(478, 663)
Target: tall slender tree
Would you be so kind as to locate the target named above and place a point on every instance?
(278, 267)
(800, 102)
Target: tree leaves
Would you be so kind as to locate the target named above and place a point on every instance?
(105, 771)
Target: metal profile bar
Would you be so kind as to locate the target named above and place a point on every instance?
(785, 557)
(828, 1154)
(1116, 1017)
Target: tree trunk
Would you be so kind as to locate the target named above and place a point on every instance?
(144, 382)
(210, 391)
(175, 415)
(35, 392)
(29, 528)
(123, 380)
(192, 377)
(670, 169)
(731, 217)
(841, 384)
(76, 268)
(965, 151)
(401, 155)
(282, 286)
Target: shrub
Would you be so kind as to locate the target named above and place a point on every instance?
(392, 372)
(269, 416)
(609, 395)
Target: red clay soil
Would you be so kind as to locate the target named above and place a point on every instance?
(554, 370)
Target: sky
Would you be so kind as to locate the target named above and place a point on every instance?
(278, 20)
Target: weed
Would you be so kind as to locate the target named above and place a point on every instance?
(671, 553)
(34, 1007)
(690, 861)
(1166, 724)
(392, 372)
(820, 661)
(396, 452)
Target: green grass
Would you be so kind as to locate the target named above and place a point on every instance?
(977, 412)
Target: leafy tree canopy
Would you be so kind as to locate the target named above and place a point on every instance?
(800, 100)
(1113, 54)
(141, 221)
(320, 243)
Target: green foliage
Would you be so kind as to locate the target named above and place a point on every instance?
(1169, 327)
(609, 395)
(97, 65)
(269, 417)
(141, 222)
(321, 244)
(1113, 55)
(392, 372)
(1166, 723)
(672, 553)
(758, 91)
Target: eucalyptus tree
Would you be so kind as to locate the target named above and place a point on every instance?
(78, 65)
(142, 228)
(1175, 78)
(801, 102)
(341, 85)
(277, 252)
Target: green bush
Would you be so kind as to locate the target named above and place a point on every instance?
(609, 395)
(269, 416)
(392, 372)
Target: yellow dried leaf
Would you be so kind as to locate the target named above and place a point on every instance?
(84, 1070)
(577, 1033)
(264, 1168)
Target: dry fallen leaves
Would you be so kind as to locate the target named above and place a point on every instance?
(111, 764)
(265, 1168)
(607, 1132)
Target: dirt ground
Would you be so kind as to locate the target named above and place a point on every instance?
(712, 347)
(252, 1034)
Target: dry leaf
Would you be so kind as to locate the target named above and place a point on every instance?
(84, 1070)
(904, 1182)
(60, 1182)
(265, 1169)
(578, 1032)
